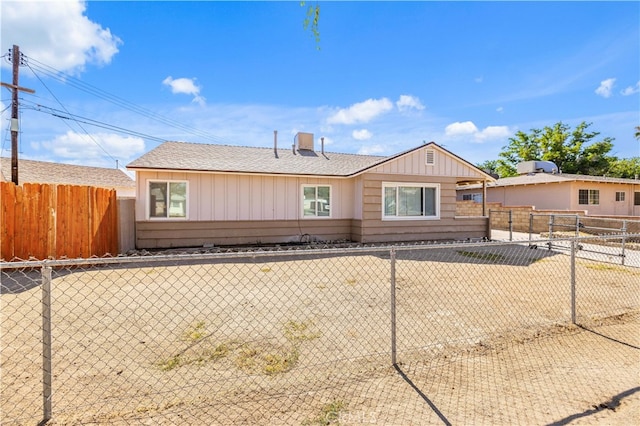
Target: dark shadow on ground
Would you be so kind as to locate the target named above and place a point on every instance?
(611, 404)
(422, 395)
(613, 339)
(18, 281)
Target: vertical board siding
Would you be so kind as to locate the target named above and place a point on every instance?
(414, 163)
(53, 221)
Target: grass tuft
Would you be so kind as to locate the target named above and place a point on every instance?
(195, 332)
(296, 331)
(329, 414)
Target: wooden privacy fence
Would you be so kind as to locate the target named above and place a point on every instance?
(48, 221)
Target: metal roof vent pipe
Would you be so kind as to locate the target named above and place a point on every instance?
(322, 145)
(293, 148)
(275, 143)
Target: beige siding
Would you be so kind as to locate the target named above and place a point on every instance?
(167, 234)
(228, 197)
(373, 229)
(414, 163)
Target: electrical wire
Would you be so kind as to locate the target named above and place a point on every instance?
(71, 81)
(66, 115)
(79, 125)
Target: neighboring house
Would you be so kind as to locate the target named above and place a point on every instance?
(192, 195)
(598, 196)
(30, 171)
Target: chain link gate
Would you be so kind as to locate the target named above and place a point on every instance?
(558, 227)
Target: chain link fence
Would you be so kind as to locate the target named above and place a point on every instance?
(487, 333)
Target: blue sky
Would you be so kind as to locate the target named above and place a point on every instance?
(383, 78)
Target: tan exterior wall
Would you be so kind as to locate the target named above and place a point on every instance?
(415, 164)
(166, 234)
(228, 197)
(564, 196)
(372, 227)
(126, 224)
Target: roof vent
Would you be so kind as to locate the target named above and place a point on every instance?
(304, 141)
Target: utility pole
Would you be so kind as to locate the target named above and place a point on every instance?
(16, 60)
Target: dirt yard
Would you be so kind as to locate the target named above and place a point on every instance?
(483, 336)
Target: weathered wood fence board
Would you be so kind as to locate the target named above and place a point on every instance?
(52, 221)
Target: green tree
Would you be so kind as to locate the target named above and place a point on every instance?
(489, 166)
(625, 168)
(311, 21)
(638, 132)
(573, 151)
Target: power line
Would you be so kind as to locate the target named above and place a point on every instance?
(71, 81)
(79, 125)
(66, 115)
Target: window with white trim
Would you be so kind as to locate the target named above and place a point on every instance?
(316, 201)
(589, 196)
(620, 195)
(167, 199)
(410, 200)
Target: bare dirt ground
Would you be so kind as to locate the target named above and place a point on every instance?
(483, 336)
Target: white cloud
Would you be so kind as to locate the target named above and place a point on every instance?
(493, 133)
(469, 129)
(478, 79)
(362, 112)
(90, 150)
(185, 86)
(631, 90)
(500, 109)
(407, 102)
(605, 88)
(371, 150)
(460, 129)
(361, 135)
(56, 33)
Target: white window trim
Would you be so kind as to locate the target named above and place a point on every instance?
(621, 199)
(147, 201)
(423, 185)
(309, 185)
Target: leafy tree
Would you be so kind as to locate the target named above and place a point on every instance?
(638, 132)
(311, 21)
(625, 168)
(573, 151)
(489, 166)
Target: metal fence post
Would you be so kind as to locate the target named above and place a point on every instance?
(46, 344)
(624, 239)
(393, 306)
(490, 226)
(510, 225)
(551, 221)
(573, 281)
(530, 228)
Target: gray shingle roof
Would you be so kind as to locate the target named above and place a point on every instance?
(30, 171)
(241, 159)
